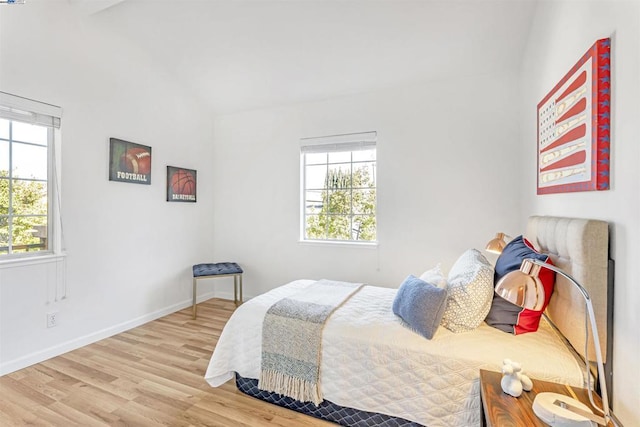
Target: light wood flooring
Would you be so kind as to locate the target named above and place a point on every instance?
(148, 376)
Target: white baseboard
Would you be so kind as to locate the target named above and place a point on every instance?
(222, 294)
(58, 349)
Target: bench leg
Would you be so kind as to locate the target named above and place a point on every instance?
(235, 288)
(240, 287)
(194, 298)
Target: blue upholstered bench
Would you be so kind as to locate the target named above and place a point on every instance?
(220, 269)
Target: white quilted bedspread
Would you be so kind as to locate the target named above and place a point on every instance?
(371, 362)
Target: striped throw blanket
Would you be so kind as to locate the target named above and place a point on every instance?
(292, 339)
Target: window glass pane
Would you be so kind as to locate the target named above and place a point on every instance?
(29, 133)
(29, 197)
(315, 158)
(339, 202)
(4, 197)
(364, 227)
(364, 202)
(28, 234)
(340, 157)
(364, 175)
(29, 161)
(315, 176)
(315, 227)
(4, 158)
(313, 201)
(4, 128)
(4, 235)
(339, 227)
(339, 176)
(364, 155)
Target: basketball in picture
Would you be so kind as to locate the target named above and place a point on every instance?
(183, 182)
(136, 160)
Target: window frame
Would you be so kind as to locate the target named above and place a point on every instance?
(16, 109)
(349, 143)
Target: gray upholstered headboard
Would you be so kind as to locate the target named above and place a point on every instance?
(580, 247)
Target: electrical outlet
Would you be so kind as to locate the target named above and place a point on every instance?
(52, 319)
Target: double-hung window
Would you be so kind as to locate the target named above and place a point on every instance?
(338, 182)
(28, 130)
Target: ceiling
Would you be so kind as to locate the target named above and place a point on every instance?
(242, 55)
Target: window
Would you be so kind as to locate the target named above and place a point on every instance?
(27, 134)
(338, 175)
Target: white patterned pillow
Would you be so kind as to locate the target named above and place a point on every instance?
(435, 277)
(469, 292)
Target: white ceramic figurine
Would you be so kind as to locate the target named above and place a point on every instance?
(513, 380)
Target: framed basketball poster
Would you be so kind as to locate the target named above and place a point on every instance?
(129, 162)
(181, 184)
(573, 126)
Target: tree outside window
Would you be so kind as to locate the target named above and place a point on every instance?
(24, 159)
(340, 196)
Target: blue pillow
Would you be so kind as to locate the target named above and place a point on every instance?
(420, 305)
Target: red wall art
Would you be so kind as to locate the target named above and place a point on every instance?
(573, 126)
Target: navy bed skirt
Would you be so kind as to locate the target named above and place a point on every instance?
(327, 411)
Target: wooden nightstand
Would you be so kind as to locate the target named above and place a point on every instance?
(502, 410)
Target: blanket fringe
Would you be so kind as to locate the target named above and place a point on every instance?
(296, 388)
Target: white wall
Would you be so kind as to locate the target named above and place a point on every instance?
(562, 32)
(441, 189)
(129, 252)
(447, 178)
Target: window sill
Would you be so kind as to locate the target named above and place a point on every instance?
(344, 244)
(31, 260)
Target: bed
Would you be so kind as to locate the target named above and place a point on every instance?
(376, 371)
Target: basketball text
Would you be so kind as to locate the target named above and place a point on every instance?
(183, 197)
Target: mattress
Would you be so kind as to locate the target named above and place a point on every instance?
(371, 362)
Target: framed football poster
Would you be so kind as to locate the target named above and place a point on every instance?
(181, 184)
(129, 162)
